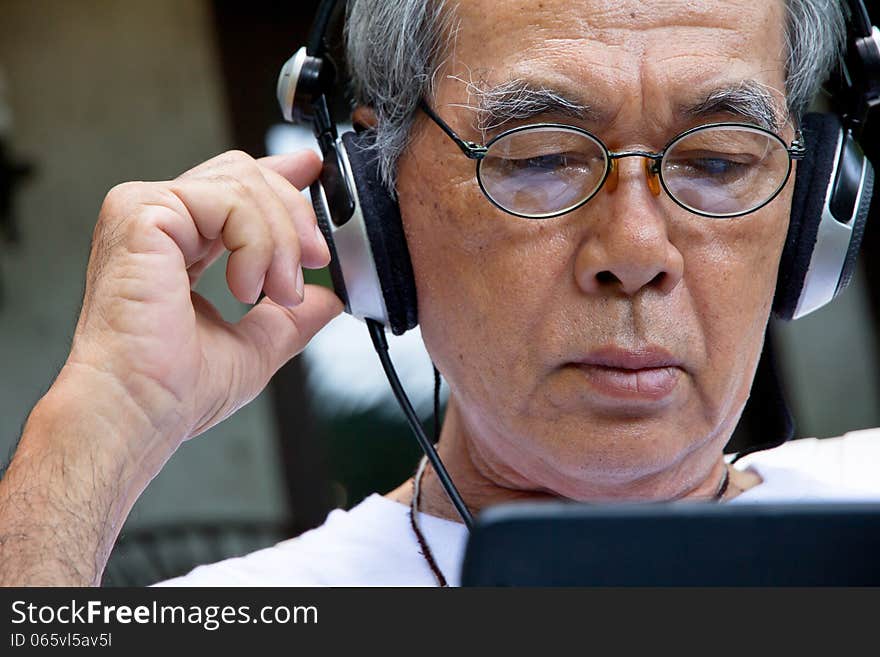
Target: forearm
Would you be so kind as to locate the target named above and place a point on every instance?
(69, 488)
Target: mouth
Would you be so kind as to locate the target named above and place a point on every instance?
(643, 375)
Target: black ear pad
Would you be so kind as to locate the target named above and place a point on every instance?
(381, 215)
(821, 134)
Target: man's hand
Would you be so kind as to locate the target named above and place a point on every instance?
(168, 348)
(152, 362)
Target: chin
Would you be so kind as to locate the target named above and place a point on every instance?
(589, 457)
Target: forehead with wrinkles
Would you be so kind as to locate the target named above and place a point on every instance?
(623, 57)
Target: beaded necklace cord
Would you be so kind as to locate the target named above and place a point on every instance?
(426, 549)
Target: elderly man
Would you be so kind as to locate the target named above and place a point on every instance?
(603, 352)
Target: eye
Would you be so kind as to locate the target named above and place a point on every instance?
(709, 165)
(716, 166)
(542, 170)
(552, 162)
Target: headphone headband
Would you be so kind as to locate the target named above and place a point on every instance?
(317, 45)
(860, 75)
(859, 21)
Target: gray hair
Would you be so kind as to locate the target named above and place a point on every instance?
(395, 48)
(815, 35)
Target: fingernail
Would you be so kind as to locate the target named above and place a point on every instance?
(320, 237)
(259, 290)
(300, 283)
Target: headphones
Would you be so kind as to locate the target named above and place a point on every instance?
(370, 263)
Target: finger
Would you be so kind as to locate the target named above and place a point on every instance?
(284, 278)
(301, 169)
(251, 253)
(276, 334)
(280, 205)
(283, 281)
(225, 208)
(198, 268)
(286, 174)
(240, 208)
(169, 212)
(314, 251)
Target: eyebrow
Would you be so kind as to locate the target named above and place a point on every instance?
(748, 99)
(519, 99)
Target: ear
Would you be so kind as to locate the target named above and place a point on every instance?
(363, 117)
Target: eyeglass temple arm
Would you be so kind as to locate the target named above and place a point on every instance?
(471, 149)
(798, 149)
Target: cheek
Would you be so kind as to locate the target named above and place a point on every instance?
(730, 276)
(445, 250)
(481, 278)
(735, 264)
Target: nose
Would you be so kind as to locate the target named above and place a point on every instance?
(625, 246)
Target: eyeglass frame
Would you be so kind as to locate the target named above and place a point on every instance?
(475, 151)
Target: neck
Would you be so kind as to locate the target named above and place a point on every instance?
(484, 484)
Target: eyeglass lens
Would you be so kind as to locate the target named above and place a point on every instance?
(717, 170)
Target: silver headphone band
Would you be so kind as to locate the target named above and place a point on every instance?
(355, 255)
(832, 244)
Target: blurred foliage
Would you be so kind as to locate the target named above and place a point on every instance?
(370, 452)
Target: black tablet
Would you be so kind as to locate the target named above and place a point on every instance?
(681, 544)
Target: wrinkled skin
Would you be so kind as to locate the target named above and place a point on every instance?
(514, 312)
(507, 305)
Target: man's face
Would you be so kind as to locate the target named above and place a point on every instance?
(614, 345)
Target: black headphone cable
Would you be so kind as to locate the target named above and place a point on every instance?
(380, 344)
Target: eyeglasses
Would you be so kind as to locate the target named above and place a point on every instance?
(544, 170)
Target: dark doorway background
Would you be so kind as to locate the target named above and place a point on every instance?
(255, 38)
(326, 463)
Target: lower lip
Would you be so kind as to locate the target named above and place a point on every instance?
(647, 384)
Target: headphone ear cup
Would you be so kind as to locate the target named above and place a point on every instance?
(384, 227)
(852, 254)
(832, 197)
(325, 225)
(822, 134)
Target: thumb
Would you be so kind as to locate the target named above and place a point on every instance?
(276, 334)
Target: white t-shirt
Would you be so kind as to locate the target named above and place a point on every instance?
(373, 544)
